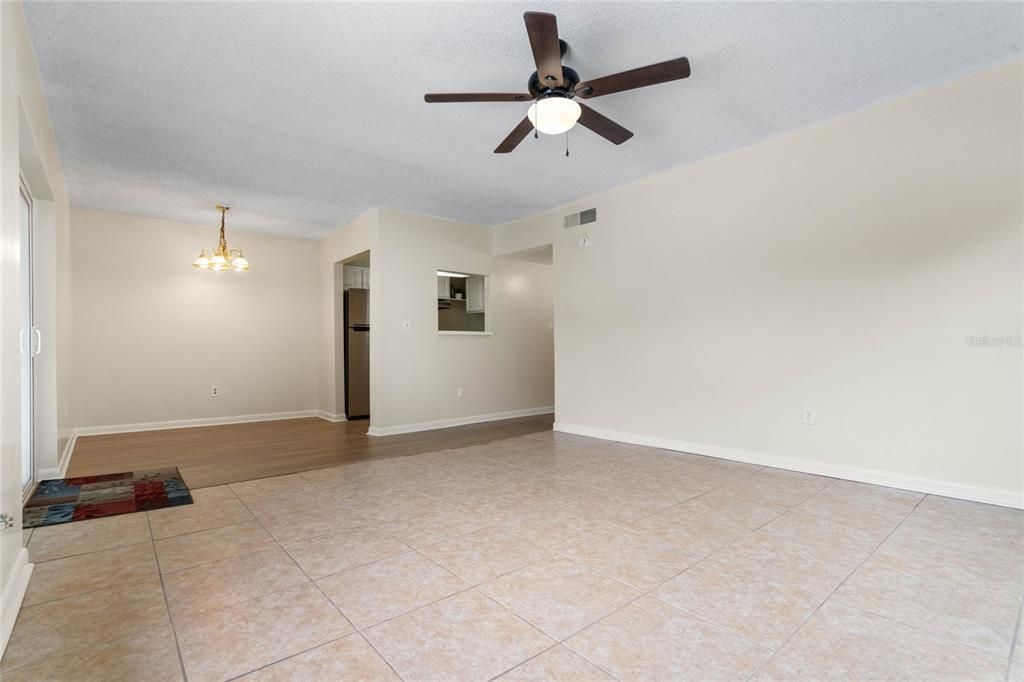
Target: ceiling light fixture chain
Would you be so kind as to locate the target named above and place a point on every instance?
(222, 245)
(223, 258)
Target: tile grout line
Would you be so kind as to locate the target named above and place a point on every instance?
(720, 487)
(641, 593)
(558, 642)
(1013, 642)
(167, 605)
(92, 591)
(537, 655)
(471, 587)
(928, 633)
(243, 601)
(833, 591)
(316, 586)
(207, 562)
(201, 530)
(951, 579)
(357, 629)
(650, 591)
(94, 551)
(373, 646)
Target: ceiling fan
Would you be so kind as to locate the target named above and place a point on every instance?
(554, 87)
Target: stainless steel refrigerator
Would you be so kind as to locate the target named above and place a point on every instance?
(357, 353)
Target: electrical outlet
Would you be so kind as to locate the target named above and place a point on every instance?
(807, 416)
(214, 391)
(406, 325)
(460, 392)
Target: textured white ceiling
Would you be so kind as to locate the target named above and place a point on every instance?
(300, 116)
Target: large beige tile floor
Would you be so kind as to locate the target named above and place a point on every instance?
(539, 557)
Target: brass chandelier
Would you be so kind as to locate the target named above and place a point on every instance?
(224, 258)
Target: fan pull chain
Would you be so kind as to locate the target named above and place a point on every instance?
(567, 143)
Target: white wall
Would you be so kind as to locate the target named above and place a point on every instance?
(841, 267)
(27, 137)
(156, 334)
(419, 370)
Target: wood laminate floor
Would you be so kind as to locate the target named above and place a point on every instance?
(215, 455)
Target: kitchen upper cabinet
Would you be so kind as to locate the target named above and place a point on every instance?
(475, 294)
(356, 277)
(444, 287)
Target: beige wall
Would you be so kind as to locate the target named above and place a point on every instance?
(161, 333)
(842, 268)
(414, 374)
(419, 370)
(26, 137)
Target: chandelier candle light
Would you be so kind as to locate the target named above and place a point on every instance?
(223, 259)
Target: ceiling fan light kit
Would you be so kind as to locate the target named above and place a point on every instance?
(554, 115)
(554, 87)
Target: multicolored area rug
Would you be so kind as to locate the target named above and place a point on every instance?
(63, 500)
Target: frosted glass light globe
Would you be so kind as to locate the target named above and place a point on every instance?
(554, 115)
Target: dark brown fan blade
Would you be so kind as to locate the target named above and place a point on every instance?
(603, 126)
(547, 51)
(477, 97)
(517, 135)
(672, 70)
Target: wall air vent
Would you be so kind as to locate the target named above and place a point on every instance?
(582, 218)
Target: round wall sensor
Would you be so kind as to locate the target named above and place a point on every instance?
(584, 241)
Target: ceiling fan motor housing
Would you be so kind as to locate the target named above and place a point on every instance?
(539, 90)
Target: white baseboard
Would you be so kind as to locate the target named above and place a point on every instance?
(61, 469)
(13, 594)
(457, 421)
(1004, 498)
(191, 423)
(327, 416)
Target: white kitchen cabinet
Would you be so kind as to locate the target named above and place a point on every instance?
(356, 277)
(475, 294)
(444, 287)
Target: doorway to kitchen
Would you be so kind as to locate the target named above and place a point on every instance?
(355, 336)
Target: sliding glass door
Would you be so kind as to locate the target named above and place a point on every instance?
(30, 341)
